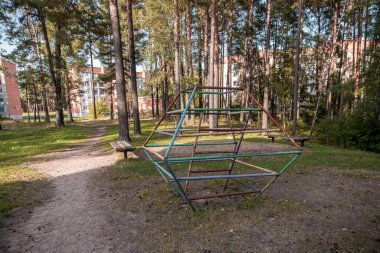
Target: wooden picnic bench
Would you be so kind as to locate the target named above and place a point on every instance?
(301, 139)
(122, 146)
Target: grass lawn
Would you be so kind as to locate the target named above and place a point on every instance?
(316, 155)
(20, 143)
(326, 193)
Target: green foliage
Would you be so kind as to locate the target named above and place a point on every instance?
(102, 109)
(352, 132)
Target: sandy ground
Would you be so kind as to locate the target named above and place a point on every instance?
(79, 216)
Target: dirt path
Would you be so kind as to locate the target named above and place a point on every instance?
(79, 217)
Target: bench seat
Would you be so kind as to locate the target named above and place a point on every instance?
(301, 139)
(122, 146)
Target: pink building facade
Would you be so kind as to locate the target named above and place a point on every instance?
(10, 102)
(82, 94)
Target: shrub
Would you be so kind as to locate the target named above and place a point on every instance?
(353, 132)
(101, 109)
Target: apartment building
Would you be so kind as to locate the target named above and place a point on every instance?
(81, 104)
(10, 102)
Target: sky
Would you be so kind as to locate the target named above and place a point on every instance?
(6, 49)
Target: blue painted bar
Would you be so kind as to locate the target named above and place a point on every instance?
(228, 176)
(157, 165)
(163, 132)
(180, 122)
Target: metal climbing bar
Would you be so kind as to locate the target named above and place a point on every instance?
(197, 158)
(228, 176)
(228, 160)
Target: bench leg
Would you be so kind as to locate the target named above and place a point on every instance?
(302, 143)
(272, 139)
(125, 155)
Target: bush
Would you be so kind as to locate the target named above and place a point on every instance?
(353, 132)
(101, 109)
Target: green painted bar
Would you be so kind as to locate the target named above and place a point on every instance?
(163, 170)
(197, 158)
(291, 161)
(190, 144)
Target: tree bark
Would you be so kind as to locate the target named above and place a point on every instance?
(297, 69)
(229, 59)
(40, 64)
(213, 63)
(176, 55)
(356, 88)
(132, 56)
(92, 78)
(119, 71)
(264, 119)
(57, 86)
(358, 52)
(205, 45)
(200, 81)
(157, 109)
(60, 91)
(111, 101)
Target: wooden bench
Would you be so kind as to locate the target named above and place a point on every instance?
(301, 139)
(122, 146)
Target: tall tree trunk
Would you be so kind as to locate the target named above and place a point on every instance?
(92, 77)
(176, 55)
(343, 60)
(358, 51)
(188, 35)
(216, 65)
(199, 45)
(119, 71)
(250, 47)
(132, 56)
(152, 99)
(356, 88)
(27, 101)
(213, 63)
(205, 45)
(165, 87)
(190, 70)
(157, 109)
(332, 66)
(229, 59)
(35, 99)
(365, 36)
(297, 68)
(69, 110)
(40, 65)
(264, 123)
(57, 86)
(58, 65)
(111, 101)
(206, 103)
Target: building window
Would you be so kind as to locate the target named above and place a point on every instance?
(1, 91)
(1, 100)
(2, 109)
